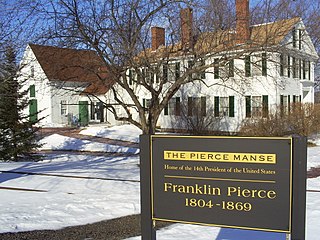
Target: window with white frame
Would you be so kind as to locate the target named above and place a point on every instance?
(224, 106)
(146, 103)
(197, 106)
(63, 107)
(173, 108)
(296, 98)
(257, 106)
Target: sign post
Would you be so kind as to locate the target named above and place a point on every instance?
(299, 188)
(245, 183)
(147, 230)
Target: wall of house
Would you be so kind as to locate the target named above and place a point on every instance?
(65, 97)
(31, 74)
(97, 112)
(272, 88)
(237, 87)
(124, 96)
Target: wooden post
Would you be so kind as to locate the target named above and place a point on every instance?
(299, 188)
(147, 230)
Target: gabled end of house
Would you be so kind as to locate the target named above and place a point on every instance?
(65, 85)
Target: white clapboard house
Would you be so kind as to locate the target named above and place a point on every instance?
(63, 85)
(256, 69)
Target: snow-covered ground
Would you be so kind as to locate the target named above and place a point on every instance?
(58, 142)
(125, 132)
(101, 194)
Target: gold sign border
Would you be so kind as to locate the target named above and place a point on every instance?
(221, 225)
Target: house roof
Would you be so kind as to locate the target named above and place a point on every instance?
(101, 87)
(263, 35)
(73, 65)
(273, 33)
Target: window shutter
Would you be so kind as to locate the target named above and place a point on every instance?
(300, 69)
(216, 106)
(247, 63)
(231, 68)
(248, 106)
(165, 72)
(289, 67)
(281, 105)
(264, 64)
(203, 106)
(281, 65)
(294, 37)
(309, 70)
(231, 106)
(300, 39)
(130, 77)
(178, 107)
(265, 106)
(166, 108)
(177, 71)
(190, 106)
(203, 72)
(216, 69)
(190, 65)
(32, 91)
(294, 67)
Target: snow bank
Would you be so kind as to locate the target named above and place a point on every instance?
(124, 132)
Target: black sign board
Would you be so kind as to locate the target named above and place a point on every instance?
(230, 182)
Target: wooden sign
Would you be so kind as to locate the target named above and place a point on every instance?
(234, 182)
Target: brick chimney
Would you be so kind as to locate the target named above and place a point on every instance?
(157, 37)
(243, 21)
(186, 28)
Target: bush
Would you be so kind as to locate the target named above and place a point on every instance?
(301, 119)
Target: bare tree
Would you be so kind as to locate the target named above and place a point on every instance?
(119, 31)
